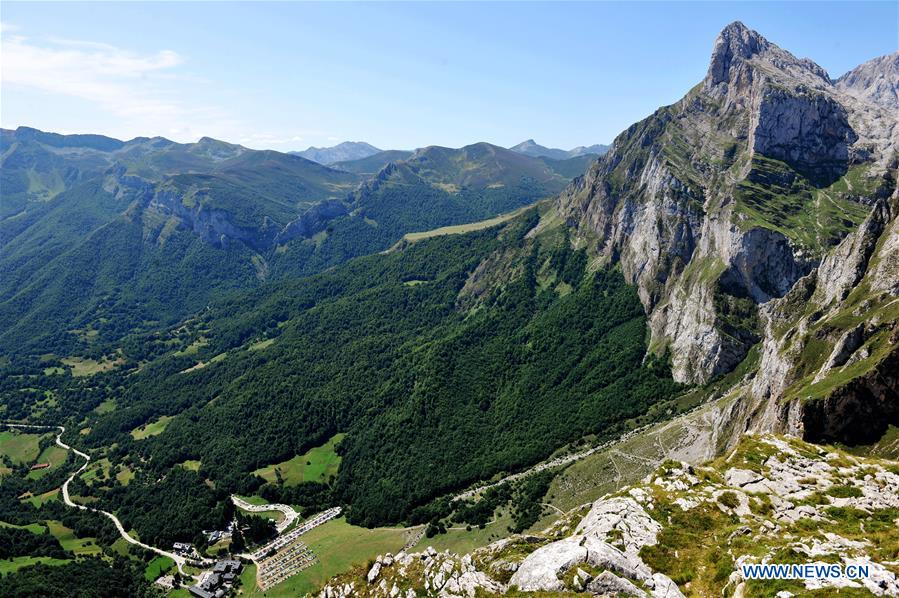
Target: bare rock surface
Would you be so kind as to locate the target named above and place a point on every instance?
(665, 201)
(744, 508)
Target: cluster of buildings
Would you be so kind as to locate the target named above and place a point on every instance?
(213, 536)
(276, 561)
(184, 549)
(218, 582)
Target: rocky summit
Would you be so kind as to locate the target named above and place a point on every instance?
(683, 530)
(722, 201)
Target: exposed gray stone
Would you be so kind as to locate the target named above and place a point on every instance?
(543, 567)
(609, 584)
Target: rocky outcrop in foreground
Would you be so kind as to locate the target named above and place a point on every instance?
(683, 531)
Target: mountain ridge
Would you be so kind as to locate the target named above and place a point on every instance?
(342, 152)
(532, 148)
(683, 211)
(270, 214)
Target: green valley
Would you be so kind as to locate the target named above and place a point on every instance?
(450, 372)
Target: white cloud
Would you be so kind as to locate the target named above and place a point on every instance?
(136, 94)
(118, 80)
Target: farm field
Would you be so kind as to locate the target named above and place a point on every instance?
(14, 564)
(54, 455)
(92, 473)
(151, 429)
(34, 528)
(158, 567)
(88, 367)
(46, 497)
(316, 465)
(21, 448)
(70, 542)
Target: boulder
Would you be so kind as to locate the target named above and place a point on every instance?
(374, 572)
(609, 584)
(541, 570)
(625, 516)
(605, 556)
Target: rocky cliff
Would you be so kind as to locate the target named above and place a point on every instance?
(221, 210)
(830, 352)
(876, 81)
(724, 200)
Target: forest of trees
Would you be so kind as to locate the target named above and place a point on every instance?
(432, 395)
(87, 578)
(22, 542)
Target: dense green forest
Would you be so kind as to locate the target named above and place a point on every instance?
(440, 369)
(87, 578)
(120, 238)
(437, 387)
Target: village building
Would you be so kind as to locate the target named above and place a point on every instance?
(219, 581)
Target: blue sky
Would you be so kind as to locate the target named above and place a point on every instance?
(289, 75)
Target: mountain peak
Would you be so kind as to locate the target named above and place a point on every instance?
(535, 150)
(347, 150)
(737, 47)
(876, 81)
(736, 41)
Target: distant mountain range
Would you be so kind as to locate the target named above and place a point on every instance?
(349, 155)
(532, 148)
(119, 220)
(342, 152)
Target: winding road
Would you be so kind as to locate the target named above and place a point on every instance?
(290, 515)
(179, 560)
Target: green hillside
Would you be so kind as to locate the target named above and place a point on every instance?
(138, 246)
(436, 384)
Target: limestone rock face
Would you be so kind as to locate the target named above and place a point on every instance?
(806, 129)
(841, 270)
(687, 201)
(313, 220)
(735, 43)
(876, 81)
(845, 305)
(762, 265)
(844, 349)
